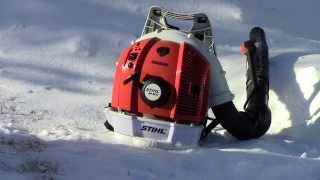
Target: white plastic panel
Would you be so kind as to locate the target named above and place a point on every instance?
(154, 130)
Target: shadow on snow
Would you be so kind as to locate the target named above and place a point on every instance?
(52, 77)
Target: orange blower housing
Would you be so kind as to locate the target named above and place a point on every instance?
(165, 79)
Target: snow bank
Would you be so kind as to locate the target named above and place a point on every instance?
(56, 66)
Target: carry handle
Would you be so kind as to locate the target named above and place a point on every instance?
(201, 28)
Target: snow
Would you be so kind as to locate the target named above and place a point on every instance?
(56, 66)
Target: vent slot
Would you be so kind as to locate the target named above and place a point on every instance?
(193, 72)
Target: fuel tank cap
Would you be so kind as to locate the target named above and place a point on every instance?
(155, 91)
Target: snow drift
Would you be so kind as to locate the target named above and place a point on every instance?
(56, 66)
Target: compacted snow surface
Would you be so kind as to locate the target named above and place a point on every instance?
(56, 71)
